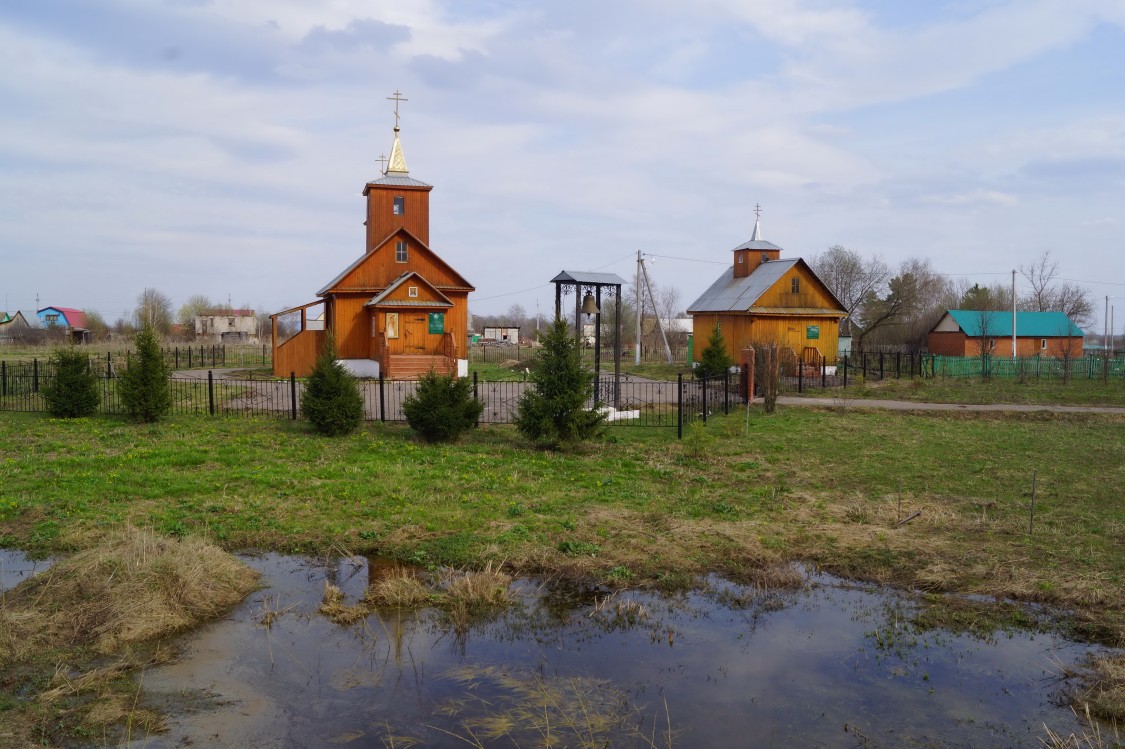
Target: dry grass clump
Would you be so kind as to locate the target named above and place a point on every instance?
(334, 608)
(122, 709)
(400, 589)
(458, 591)
(132, 587)
(617, 611)
(477, 589)
(1090, 738)
(1105, 691)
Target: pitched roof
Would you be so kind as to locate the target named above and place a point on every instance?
(381, 297)
(1028, 324)
(75, 318)
(730, 294)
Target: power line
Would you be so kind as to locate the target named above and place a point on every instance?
(687, 259)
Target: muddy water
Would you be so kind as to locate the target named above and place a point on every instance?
(834, 665)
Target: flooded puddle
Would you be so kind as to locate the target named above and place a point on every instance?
(832, 665)
(15, 567)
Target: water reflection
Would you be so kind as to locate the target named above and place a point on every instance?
(831, 664)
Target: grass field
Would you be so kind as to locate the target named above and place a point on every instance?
(636, 508)
(1078, 392)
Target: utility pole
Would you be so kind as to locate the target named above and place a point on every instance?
(1013, 313)
(1106, 342)
(656, 314)
(637, 344)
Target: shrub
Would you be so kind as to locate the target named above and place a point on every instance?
(331, 398)
(144, 383)
(553, 410)
(714, 361)
(441, 407)
(74, 389)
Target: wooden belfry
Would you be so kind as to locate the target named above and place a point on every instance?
(588, 293)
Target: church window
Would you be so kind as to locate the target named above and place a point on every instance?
(795, 286)
(400, 252)
(400, 205)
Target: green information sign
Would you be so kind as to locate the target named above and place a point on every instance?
(812, 332)
(437, 322)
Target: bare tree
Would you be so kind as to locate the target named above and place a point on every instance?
(1069, 349)
(96, 324)
(154, 309)
(193, 307)
(985, 340)
(850, 278)
(1049, 294)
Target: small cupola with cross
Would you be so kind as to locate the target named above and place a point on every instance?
(749, 255)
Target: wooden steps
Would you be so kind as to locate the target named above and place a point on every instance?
(413, 366)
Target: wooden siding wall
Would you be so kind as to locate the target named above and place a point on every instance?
(298, 354)
(812, 294)
(350, 323)
(381, 219)
(740, 330)
(381, 269)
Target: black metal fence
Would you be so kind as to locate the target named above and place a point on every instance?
(628, 401)
(175, 357)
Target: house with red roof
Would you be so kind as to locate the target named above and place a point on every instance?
(71, 320)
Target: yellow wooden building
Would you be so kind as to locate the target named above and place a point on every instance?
(399, 309)
(763, 298)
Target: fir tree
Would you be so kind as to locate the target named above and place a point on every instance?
(331, 398)
(73, 391)
(144, 383)
(714, 361)
(553, 410)
(441, 407)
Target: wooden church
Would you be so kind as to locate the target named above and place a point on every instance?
(763, 298)
(399, 310)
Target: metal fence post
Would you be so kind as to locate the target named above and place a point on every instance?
(3, 378)
(177, 357)
(704, 400)
(293, 395)
(35, 375)
(383, 398)
(211, 392)
(263, 354)
(898, 365)
(188, 357)
(845, 371)
(882, 369)
(823, 372)
(800, 376)
(476, 394)
(726, 393)
(679, 405)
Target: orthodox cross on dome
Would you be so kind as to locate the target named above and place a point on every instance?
(398, 160)
(757, 222)
(396, 98)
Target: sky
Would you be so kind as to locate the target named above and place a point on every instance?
(220, 147)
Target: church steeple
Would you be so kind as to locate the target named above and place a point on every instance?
(397, 164)
(395, 200)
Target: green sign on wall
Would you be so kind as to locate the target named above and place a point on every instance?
(437, 322)
(812, 332)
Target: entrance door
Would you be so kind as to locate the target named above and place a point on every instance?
(415, 333)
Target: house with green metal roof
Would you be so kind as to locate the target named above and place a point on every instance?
(962, 332)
